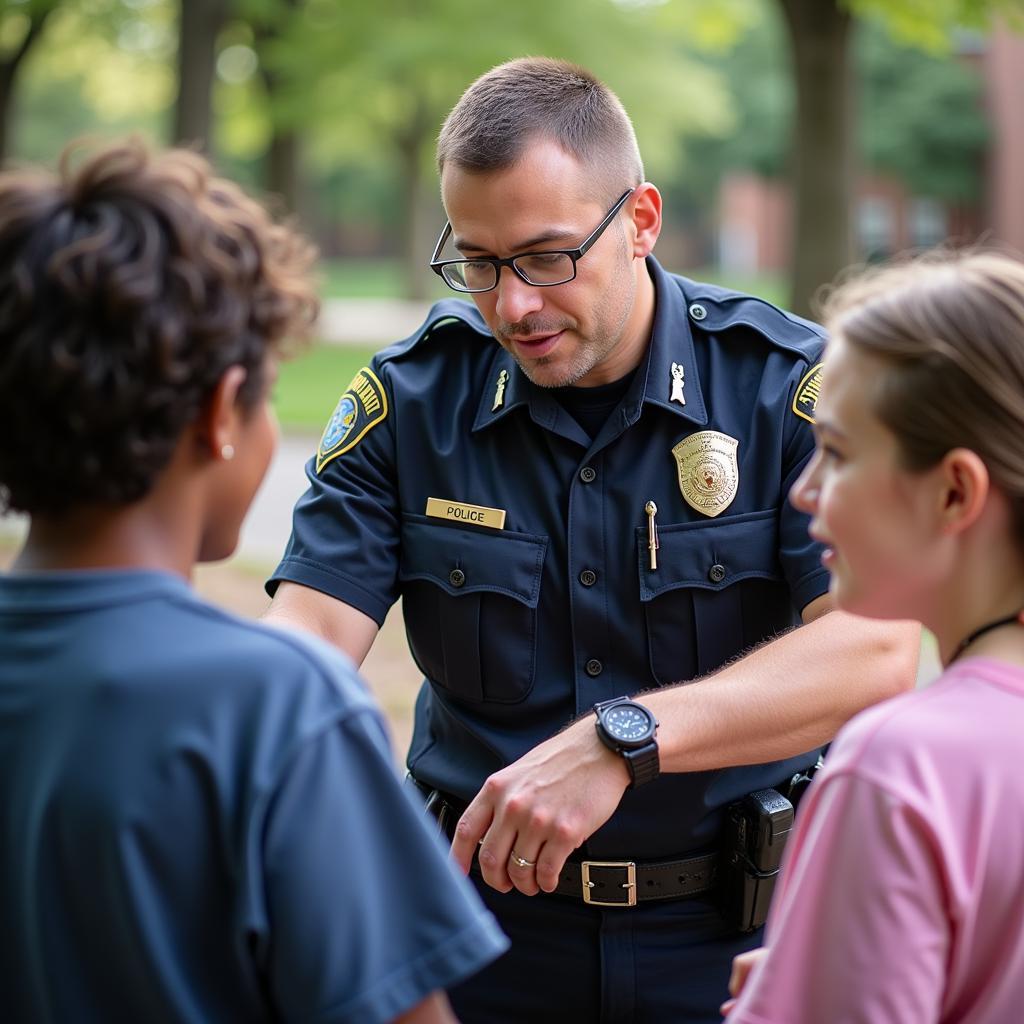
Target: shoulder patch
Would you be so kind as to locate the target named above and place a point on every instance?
(361, 407)
(805, 401)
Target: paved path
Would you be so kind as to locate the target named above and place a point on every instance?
(377, 321)
(269, 522)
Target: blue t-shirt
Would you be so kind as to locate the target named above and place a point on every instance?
(518, 541)
(200, 821)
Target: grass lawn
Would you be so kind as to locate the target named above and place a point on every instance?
(310, 385)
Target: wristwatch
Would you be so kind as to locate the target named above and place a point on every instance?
(629, 729)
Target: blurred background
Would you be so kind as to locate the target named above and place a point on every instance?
(790, 138)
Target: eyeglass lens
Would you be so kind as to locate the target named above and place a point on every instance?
(540, 269)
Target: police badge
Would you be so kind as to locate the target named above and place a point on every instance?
(709, 474)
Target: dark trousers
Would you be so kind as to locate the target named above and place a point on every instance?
(665, 963)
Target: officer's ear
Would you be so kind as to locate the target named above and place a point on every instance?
(644, 208)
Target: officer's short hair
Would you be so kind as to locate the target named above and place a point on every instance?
(129, 282)
(512, 105)
(951, 329)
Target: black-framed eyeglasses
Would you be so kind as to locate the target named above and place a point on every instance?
(542, 269)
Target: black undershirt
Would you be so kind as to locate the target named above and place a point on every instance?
(591, 407)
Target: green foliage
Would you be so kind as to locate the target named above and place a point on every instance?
(920, 112)
(102, 68)
(379, 77)
(922, 117)
(932, 24)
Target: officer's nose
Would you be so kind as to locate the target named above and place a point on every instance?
(515, 298)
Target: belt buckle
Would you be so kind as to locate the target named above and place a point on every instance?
(629, 885)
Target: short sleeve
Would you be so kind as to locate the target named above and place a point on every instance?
(858, 933)
(366, 916)
(345, 528)
(799, 553)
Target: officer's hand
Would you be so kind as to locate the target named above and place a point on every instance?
(541, 808)
(741, 968)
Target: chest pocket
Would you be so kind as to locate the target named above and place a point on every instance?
(470, 603)
(718, 590)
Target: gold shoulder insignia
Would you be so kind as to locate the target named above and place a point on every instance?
(361, 407)
(805, 400)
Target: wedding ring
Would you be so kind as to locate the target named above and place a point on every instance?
(521, 862)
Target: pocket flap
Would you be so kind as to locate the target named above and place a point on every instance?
(710, 555)
(462, 560)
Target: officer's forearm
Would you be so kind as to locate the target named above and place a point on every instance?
(786, 697)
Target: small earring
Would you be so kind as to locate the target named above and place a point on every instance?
(227, 452)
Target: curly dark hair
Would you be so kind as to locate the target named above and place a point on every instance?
(129, 282)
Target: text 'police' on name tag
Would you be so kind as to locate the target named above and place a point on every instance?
(478, 515)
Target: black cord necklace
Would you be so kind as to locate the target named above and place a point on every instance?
(982, 630)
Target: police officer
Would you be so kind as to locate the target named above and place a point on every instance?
(578, 487)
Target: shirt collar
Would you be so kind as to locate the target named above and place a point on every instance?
(671, 342)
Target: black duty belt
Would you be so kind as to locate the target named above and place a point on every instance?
(620, 883)
(604, 883)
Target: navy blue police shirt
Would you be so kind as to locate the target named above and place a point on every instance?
(200, 821)
(519, 545)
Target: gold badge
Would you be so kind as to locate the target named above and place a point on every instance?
(478, 515)
(805, 401)
(363, 405)
(709, 474)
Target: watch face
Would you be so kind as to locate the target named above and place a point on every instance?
(628, 723)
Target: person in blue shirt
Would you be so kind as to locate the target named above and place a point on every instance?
(577, 486)
(199, 818)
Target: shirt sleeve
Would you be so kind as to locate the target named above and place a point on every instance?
(858, 933)
(346, 527)
(366, 916)
(799, 553)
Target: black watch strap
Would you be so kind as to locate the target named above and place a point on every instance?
(643, 764)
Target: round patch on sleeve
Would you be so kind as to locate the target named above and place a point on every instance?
(805, 401)
(361, 407)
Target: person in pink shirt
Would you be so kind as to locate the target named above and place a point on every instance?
(902, 896)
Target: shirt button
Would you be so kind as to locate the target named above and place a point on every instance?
(594, 667)
(716, 573)
(588, 474)
(456, 577)
(588, 577)
(697, 311)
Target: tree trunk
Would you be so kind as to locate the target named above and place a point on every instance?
(417, 242)
(822, 169)
(201, 23)
(283, 159)
(9, 74)
(284, 170)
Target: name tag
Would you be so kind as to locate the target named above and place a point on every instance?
(478, 515)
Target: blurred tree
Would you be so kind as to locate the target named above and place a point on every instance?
(372, 82)
(920, 117)
(900, 89)
(201, 22)
(283, 175)
(101, 65)
(21, 26)
(823, 153)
